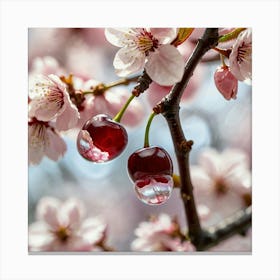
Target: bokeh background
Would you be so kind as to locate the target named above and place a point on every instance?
(208, 119)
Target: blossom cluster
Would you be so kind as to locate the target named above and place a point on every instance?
(56, 106)
(58, 103)
(62, 226)
(226, 77)
(63, 103)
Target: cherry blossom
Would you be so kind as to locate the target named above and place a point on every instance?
(148, 48)
(160, 234)
(156, 92)
(43, 140)
(240, 59)
(226, 82)
(222, 180)
(62, 226)
(50, 100)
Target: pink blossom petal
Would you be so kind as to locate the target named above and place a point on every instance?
(68, 118)
(47, 211)
(119, 37)
(165, 66)
(239, 180)
(47, 95)
(71, 213)
(210, 160)
(233, 158)
(78, 244)
(39, 237)
(240, 59)
(128, 61)
(93, 230)
(55, 146)
(201, 180)
(164, 35)
(36, 145)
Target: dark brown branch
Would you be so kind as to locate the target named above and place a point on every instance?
(239, 223)
(169, 107)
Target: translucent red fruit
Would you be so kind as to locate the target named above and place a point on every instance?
(101, 139)
(151, 170)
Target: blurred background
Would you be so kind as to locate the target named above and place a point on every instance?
(207, 118)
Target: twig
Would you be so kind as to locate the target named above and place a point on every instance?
(238, 223)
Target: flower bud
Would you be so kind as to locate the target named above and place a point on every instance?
(225, 82)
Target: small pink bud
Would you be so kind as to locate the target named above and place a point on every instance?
(225, 82)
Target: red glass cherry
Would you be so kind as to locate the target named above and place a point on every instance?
(151, 170)
(101, 139)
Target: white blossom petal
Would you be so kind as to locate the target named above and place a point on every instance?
(128, 61)
(36, 144)
(165, 66)
(47, 95)
(47, 210)
(71, 213)
(93, 230)
(119, 37)
(240, 59)
(39, 237)
(210, 160)
(164, 35)
(55, 146)
(69, 117)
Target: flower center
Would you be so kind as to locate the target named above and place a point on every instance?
(244, 52)
(146, 42)
(63, 233)
(220, 188)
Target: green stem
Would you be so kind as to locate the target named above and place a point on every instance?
(119, 115)
(124, 81)
(101, 88)
(146, 139)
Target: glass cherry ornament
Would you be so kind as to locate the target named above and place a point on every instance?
(101, 139)
(151, 170)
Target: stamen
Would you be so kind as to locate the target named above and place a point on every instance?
(244, 51)
(146, 42)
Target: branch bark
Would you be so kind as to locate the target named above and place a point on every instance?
(169, 108)
(236, 224)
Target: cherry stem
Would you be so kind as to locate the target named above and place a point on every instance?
(101, 88)
(146, 139)
(119, 115)
(124, 81)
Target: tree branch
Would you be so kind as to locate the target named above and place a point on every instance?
(238, 223)
(169, 108)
